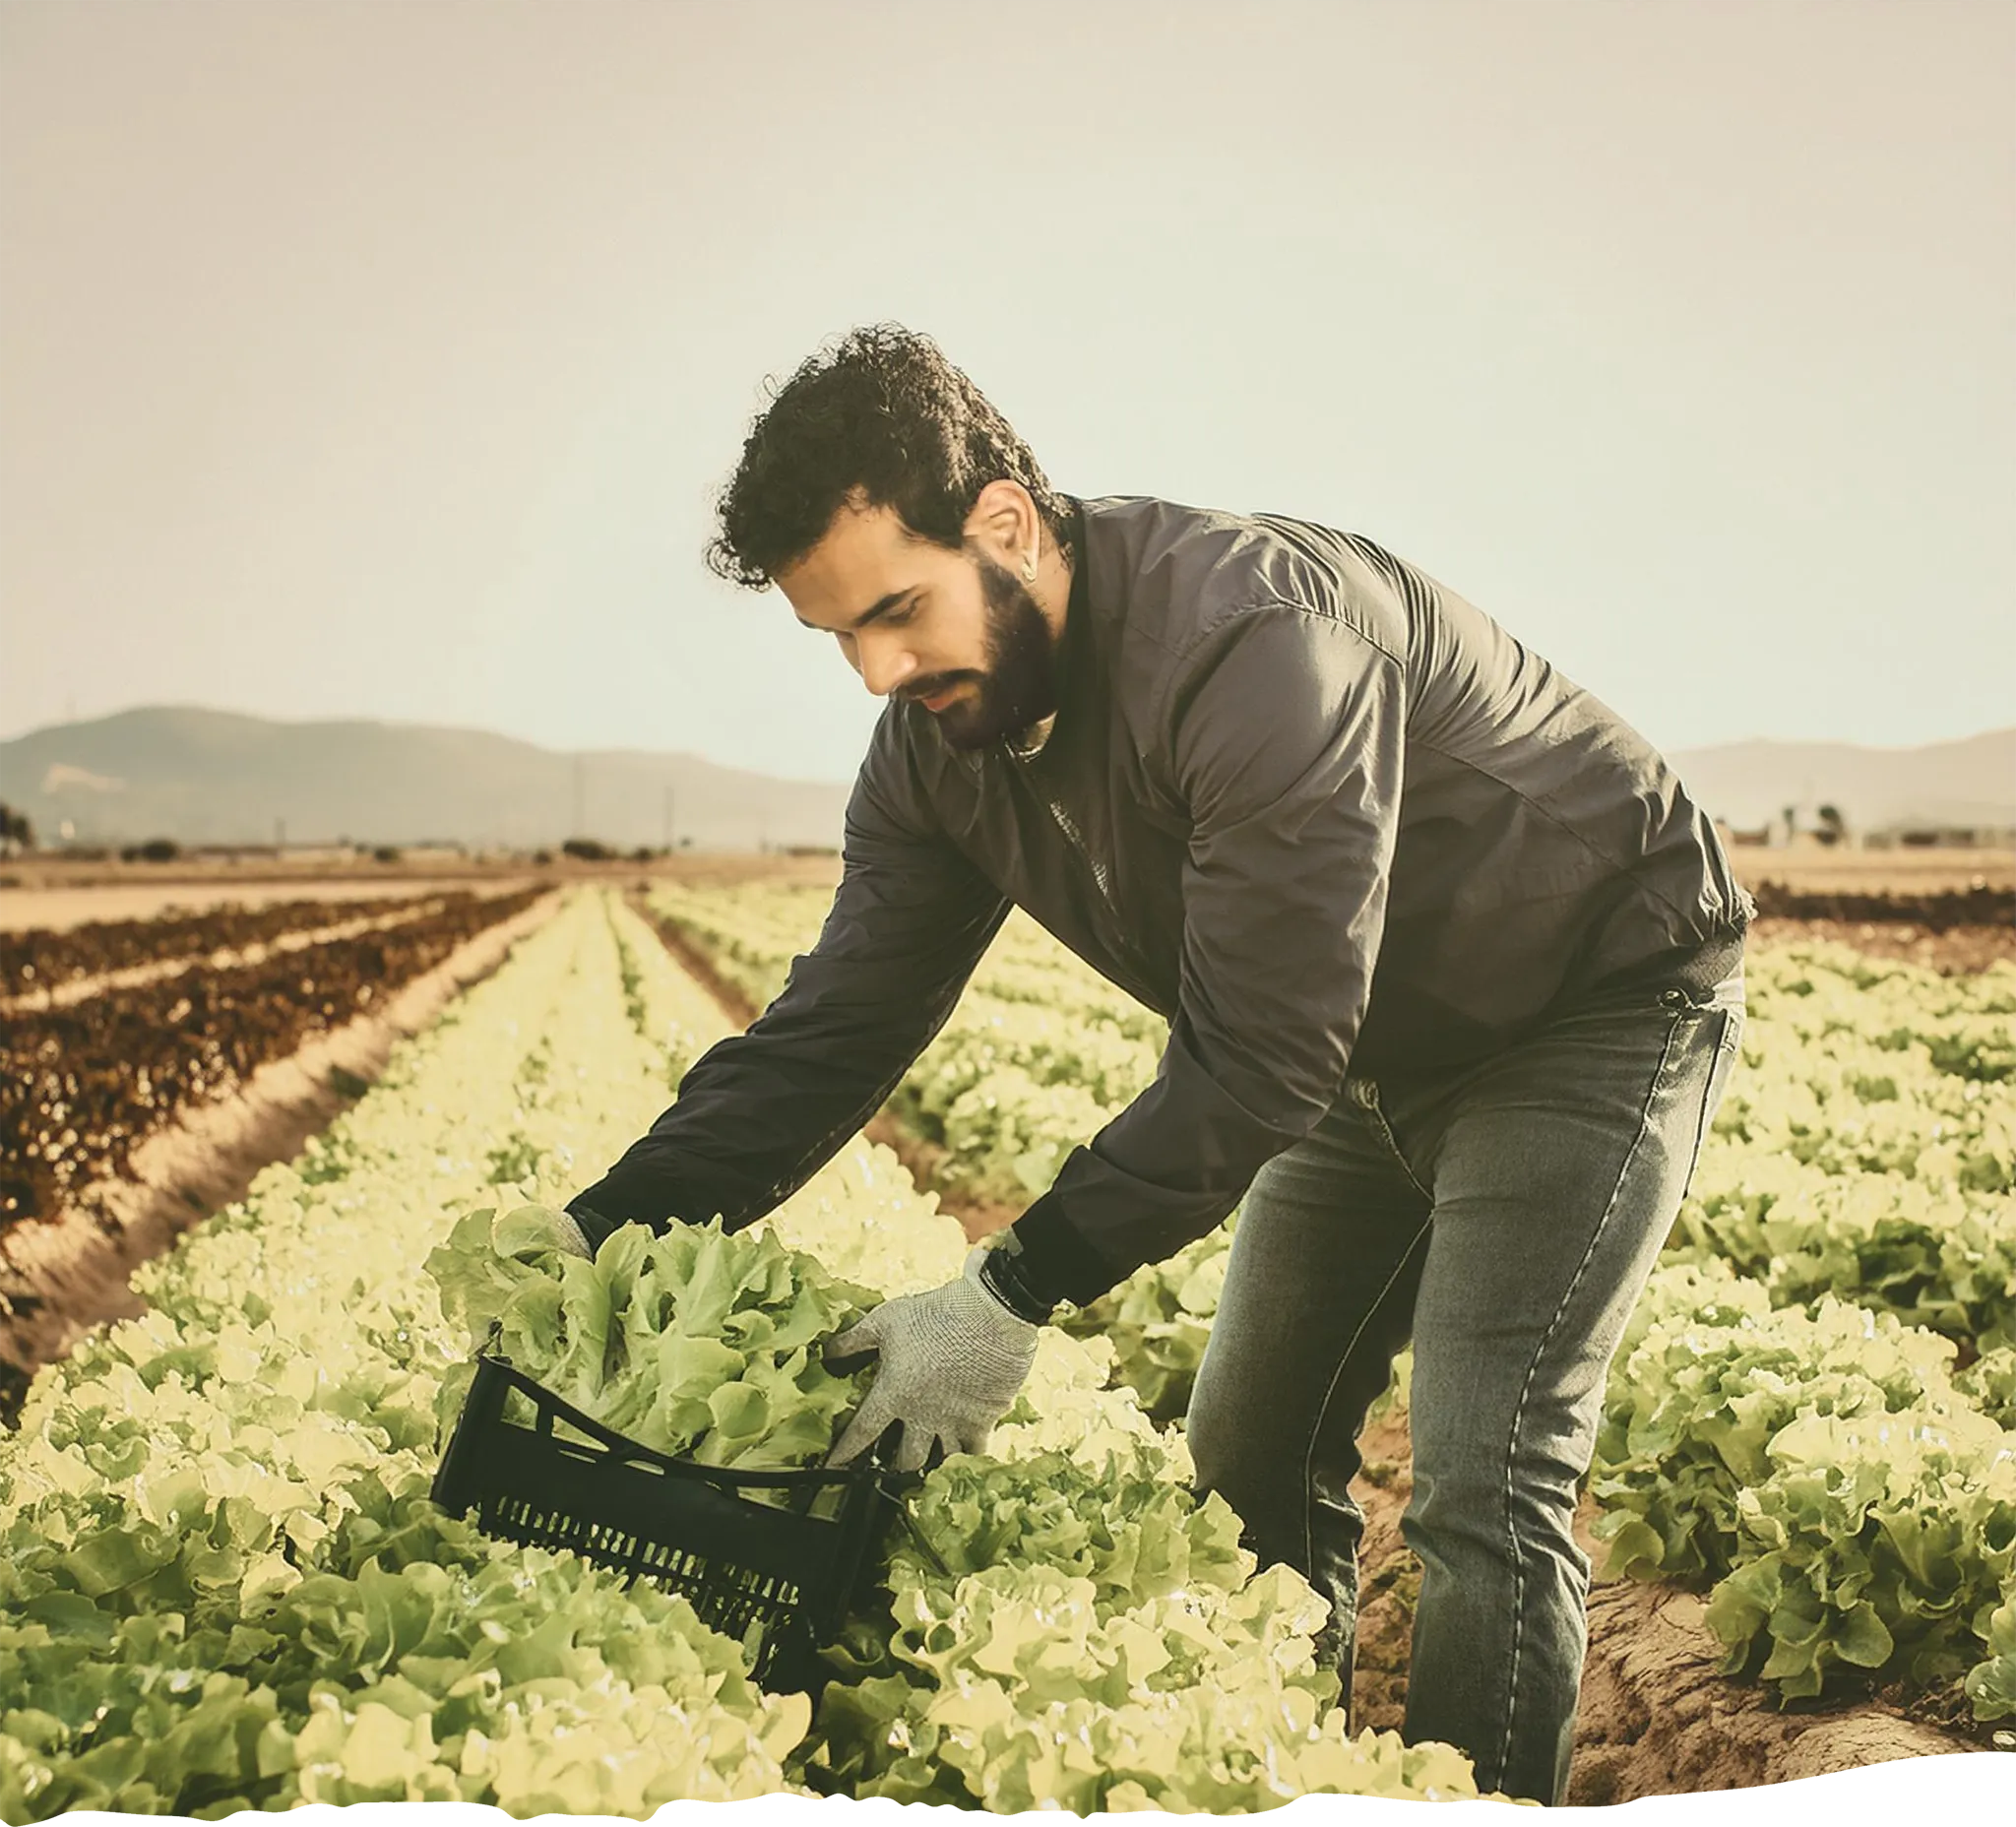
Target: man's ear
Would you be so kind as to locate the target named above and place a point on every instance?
(1004, 522)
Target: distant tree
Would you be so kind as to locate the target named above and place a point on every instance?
(587, 849)
(644, 853)
(155, 850)
(1833, 827)
(542, 857)
(17, 830)
(387, 853)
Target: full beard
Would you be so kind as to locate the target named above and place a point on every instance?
(1019, 686)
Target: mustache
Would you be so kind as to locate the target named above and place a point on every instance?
(930, 688)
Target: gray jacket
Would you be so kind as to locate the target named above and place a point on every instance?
(1301, 799)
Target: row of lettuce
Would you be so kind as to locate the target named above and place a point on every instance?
(222, 1584)
(1812, 1408)
(1039, 1054)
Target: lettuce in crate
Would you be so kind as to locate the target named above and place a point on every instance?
(699, 1343)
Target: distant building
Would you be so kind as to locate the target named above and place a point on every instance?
(314, 853)
(1798, 827)
(1931, 836)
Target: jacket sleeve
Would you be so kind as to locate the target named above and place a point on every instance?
(761, 1111)
(1285, 732)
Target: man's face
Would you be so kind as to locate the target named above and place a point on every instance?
(955, 631)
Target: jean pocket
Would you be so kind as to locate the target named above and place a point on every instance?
(1728, 1038)
(1728, 994)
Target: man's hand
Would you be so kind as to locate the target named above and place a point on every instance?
(952, 1360)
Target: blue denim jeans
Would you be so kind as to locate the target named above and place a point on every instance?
(1506, 1220)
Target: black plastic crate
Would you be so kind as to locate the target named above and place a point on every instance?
(778, 1580)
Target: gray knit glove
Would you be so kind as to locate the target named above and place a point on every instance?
(952, 1360)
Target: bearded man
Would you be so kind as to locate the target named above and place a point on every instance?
(1451, 961)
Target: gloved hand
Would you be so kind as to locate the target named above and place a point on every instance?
(952, 1360)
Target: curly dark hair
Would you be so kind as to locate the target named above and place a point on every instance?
(880, 412)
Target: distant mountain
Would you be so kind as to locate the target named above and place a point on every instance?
(1750, 784)
(215, 776)
(204, 776)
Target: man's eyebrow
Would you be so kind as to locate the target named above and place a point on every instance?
(881, 606)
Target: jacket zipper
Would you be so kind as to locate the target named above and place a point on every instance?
(1100, 878)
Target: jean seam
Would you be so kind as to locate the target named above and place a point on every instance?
(1330, 1391)
(1533, 1369)
(1714, 1067)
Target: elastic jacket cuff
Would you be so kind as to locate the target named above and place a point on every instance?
(1001, 1275)
(593, 1225)
(641, 1192)
(1054, 1263)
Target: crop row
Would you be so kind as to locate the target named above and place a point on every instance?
(1939, 911)
(1864, 1164)
(1087, 1635)
(1854, 1501)
(1037, 1054)
(754, 930)
(83, 1086)
(1866, 1147)
(224, 1587)
(45, 958)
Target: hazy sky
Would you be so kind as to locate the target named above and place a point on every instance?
(383, 359)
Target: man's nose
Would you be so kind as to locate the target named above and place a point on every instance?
(884, 664)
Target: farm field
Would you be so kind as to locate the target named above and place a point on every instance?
(112, 1150)
(225, 1588)
(1864, 1164)
(176, 1011)
(49, 891)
